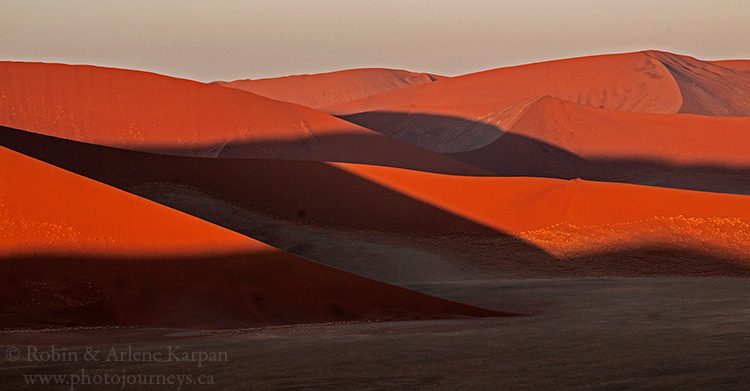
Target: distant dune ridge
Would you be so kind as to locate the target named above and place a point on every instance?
(627, 82)
(149, 112)
(650, 82)
(332, 88)
(626, 164)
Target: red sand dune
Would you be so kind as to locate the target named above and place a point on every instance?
(78, 252)
(314, 192)
(442, 129)
(565, 218)
(628, 82)
(598, 134)
(466, 111)
(708, 88)
(149, 112)
(327, 89)
(573, 218)
(75, 251)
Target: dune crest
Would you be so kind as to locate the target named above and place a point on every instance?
(627, 82)
(466, 112)
(331, 88)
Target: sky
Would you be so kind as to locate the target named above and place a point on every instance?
(239, 39)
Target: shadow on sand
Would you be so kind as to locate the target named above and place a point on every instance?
(516, 155)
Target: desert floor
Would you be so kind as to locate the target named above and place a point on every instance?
(584, 334)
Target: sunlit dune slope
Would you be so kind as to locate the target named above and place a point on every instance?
(628, 82)
(314, 192)
(149, 112)
(468, 112)
(327, 89)
(709, 88)
(589, 133)
(677, 139)
(77, 252)
(572, 218)
(565, 218)
(46, 210)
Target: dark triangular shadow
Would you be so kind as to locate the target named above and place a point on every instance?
(517, 155)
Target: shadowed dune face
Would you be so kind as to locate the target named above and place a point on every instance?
(351, 148)
(444, 129)
(315, 192)
(523, 156)
(560, 139)
(565, 218)
(84, 253)
(327, 89)
(242, 290)
(709, 88)
(459, 114)
(627, 82)
(149, 112)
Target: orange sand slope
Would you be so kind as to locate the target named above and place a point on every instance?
(305, 191)
(571, 218)
(597, 133)
(628, 82)
(709, 88)
(569, 136)
(327, 89)
(468, 112)
(77, 252)
(565, 218)
(150, 112)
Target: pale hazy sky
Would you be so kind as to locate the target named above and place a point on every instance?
(231, 39)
